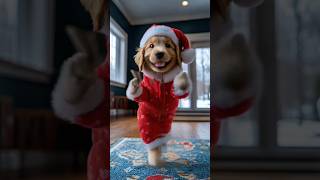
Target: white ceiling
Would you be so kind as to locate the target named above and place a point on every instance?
(157, 11)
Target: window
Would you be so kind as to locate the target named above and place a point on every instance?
(118, 54)
(199, 72)
(298, 51)
(185, 103)
(203, 77)
(26, 33)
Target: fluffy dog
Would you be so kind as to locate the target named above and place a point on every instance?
(162, 50)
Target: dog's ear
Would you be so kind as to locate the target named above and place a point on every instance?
(139, 58)
(178, 53)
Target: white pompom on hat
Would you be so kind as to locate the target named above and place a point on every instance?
(188, 54)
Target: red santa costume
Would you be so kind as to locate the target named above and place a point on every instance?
(158, 95)
(91, 112)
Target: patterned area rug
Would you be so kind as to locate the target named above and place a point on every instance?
(185, 159)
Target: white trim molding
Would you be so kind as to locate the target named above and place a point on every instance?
(117, 84)
(11, 70)
(198, 40)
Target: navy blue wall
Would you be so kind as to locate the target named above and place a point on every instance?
(116, 14)
(135, 33)
(26, 94)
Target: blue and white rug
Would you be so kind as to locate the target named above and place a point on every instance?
(185, 159)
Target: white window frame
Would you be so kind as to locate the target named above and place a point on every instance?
(34, 37)
(197, 40)
(118, 31)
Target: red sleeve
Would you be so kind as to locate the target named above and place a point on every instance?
(236, 110)
(145, 94)
(98, 117)
(95, 119)
(218, 114)
(216, 131)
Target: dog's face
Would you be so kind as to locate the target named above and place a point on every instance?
(160, 54)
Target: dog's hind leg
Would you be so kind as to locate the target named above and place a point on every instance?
(154, 156)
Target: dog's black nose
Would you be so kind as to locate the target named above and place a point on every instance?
(159, 55)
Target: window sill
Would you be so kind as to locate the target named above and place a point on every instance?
(12, 70)
(194, 112)
(118, 84)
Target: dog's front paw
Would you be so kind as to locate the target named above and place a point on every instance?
(133, 85)
(181, 84)
(134, 90)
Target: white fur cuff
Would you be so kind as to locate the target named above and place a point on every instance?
(130, 95)
(158, 142)
(180, 92)
(89, 101)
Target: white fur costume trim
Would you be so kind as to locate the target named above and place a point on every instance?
(158, 142)
(159, 30)
(90, 100)
(178, 91)
(134, 95)
(188, 55)
(167, 77)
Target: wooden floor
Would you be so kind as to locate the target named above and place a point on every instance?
(127, 127)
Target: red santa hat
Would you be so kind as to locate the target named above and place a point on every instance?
(188, 54)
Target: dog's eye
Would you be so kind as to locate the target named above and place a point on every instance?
(151, 46)
(168, 45)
